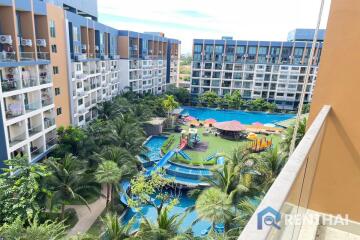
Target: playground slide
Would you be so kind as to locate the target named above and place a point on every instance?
(182, 153)
(182, 145)
(125, 185)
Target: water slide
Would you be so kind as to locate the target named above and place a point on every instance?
(183, 144)
(182, 153)
(125, 185)
(161, 163)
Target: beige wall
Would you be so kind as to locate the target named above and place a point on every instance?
(60, 59)
(336, 187)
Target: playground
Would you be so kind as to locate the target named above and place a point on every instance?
(204, 147)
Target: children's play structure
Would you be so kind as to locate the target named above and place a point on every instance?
(189, 138)
(258, 145)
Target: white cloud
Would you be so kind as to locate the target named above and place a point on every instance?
(189, 19)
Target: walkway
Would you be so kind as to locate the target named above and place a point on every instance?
(87, 217)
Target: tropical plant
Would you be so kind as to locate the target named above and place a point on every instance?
(33, 230)
(166, 226)
(68, 181)
(170, 104)
(110, 174)
(70, 140)
(234, 100)
(215, 206)
(209, 98)
(22, 192)
(182, 95)
(289, 135)
(128, 134)
(113, 229)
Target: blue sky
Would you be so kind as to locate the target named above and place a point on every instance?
(189, 19)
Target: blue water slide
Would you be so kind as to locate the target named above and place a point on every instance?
(125, 185)
(182, 153)
(220, 161)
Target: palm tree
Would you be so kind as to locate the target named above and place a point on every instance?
(127, 163)
(170, 104)
(289, 134)
(110, 174)
(273, 161)
(214, 205)
(166, 226)
(68, 181)
(128, 134)
(247, 208)
(113, 229)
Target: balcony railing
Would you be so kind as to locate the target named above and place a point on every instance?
(47, 102)
(29, 82)
(17, 139)
(32, 106)
(9, 85)
(27, 56)
(51, 142)
(48, 122)
(43, 56)
(7, 56)
(36, 151)
(45, 80)
(292, 188)
(35, 130)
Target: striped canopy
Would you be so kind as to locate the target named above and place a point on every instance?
(231, 126)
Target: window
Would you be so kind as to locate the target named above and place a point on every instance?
(263, 50)
(58, 111)
(75, 34)
(52, 28)
(197, 48)
(57, 91)
(54, 48)
(252, 50)
(56, 70)
(80, 102)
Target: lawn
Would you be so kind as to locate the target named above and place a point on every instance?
(216, 144)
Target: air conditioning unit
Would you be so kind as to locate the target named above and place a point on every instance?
(5, 39)
(26, 42)
(41, 42)
(245, 55)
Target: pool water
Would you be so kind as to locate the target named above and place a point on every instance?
(241, 116)
(154, 145)
(184, 203)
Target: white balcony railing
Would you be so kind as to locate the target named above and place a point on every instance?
(292, 188)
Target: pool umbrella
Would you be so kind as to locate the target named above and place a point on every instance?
(210, 121)
(230, 126)
(257, 124)
(189, 118)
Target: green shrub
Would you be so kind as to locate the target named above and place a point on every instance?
(167, 144)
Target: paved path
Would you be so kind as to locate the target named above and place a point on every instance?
(87, 217)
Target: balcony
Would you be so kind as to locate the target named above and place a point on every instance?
(17, 139)
(32, 106)
(292, 189)
(29, 82)
(7, 56)
(49, 122)
(47, 102)
(27, 56)
(43, 56)
(34, 130)
(36, 152)
(9, 85)
(51, 142)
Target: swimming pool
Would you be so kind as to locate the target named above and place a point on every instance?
(154, 144)
(184, 203)
(241, 116)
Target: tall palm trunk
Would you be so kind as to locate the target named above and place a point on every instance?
(62, 211)
(107, 194)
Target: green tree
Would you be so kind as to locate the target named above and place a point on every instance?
(110, 174)
(70, 140)
(33, 230)
(68, 181)
(209, 99)
(215, 206)
(289, 134)
(234, 100)
(113, 229)
(21, 194)
(170, 104)
(182, 95)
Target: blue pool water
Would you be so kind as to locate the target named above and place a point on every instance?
(154, 145)
(241, 116)
(184, 203)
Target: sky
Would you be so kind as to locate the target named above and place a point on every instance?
(267, 20)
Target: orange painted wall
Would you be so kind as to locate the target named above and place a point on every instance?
(60, 59)
(336, 186)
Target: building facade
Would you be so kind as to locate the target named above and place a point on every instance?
(273, 71)
(57, 62)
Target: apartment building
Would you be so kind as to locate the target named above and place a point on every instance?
(150, 61)
(270, 70)
(27, 121)
(57, 62)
